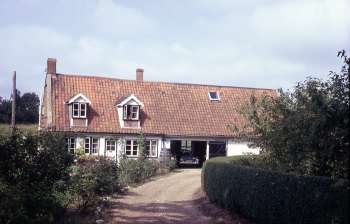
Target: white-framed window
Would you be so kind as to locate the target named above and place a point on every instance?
(186, 145)
(131, 112)
(83, 110)
(134, 112)
(79, 110)
(87, 145)
(151, 148)
(131, 148)
(95, 146)
(111, 144)
(214, 95)
(91, 145)
(75, 109)
(70, 144)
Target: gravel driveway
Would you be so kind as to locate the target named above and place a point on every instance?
(175, 198)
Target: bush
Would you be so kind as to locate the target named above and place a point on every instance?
(272, 197)
(133, 171)
(92, 178)
(256, 161)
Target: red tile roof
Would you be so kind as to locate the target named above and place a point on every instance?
(170, 109)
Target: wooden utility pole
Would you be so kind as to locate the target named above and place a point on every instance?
(14, 94)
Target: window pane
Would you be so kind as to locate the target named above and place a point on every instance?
(183, 144)
(135, 148)
(95, 145)
(75, 109)
(134, 151)
(72, 142)
(135, 108)
(148, 147)
(128, 150)
(213, 95)
(133, 115)
(87, 145)
(83, 110)
(71, 145)
(153, 151)
(111, 145)
(128, 112)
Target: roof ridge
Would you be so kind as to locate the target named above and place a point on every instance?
(163, 82)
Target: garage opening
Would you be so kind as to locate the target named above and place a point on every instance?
(188, 153)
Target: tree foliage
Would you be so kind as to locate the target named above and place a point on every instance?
(27, 108)
(305, 130)
(30, 166)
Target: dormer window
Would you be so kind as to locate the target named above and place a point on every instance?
(79, 110)
(131, 112)
(213, 95)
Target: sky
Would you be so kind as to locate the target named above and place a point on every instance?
(253, 43)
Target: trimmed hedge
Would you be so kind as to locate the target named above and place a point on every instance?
(273, 197)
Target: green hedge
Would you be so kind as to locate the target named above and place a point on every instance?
(272, 197)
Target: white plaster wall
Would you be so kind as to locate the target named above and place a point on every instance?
(102, 146)
(240, 148)
(120, 116)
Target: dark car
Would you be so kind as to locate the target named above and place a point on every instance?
(188, 158)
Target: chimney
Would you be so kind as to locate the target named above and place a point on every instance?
(139, 74)
(51, 66)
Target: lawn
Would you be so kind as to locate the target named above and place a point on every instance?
(5, 128)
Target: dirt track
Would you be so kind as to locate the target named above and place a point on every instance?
(175, 198)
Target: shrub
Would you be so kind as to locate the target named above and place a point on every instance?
(92, 178)
(272, 197)
(256, 161)
(133, 171)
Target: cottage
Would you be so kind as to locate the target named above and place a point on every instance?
(104, 116)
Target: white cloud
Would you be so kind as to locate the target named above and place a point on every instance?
(117, 20)
(259, 44)
(299, 24)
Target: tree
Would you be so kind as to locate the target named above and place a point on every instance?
(306, 130)
(27, 108)
(5, 110)
(28, 176)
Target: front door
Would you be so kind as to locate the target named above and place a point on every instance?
(111, 148)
